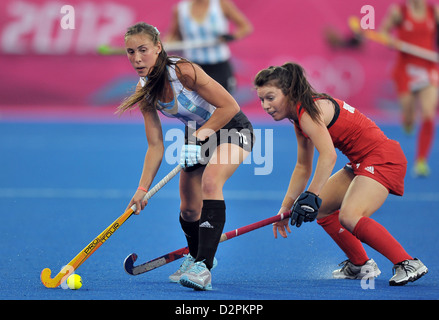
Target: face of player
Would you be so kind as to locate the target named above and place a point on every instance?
(142, 53)
(274, 102)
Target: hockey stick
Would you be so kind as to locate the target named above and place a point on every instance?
(354, 24)
(169, 46)
(131, 269)
(100, 239)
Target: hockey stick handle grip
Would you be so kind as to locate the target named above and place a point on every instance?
(254, 226)
(159, 185)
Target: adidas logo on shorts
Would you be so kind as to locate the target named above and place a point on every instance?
(206, 224)
(370, 169)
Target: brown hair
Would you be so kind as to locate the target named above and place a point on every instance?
(155, 85)
(291, 79)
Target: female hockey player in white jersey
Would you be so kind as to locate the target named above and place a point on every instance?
(218, 138)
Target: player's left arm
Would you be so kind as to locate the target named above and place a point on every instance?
(232, 13)
(174, 33)
(436, 15)
(319, 135)
(194, 78)
(391, 19)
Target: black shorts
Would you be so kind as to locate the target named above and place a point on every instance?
(222, 73)
(238, 131)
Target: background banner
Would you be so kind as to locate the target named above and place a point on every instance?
(47, 70)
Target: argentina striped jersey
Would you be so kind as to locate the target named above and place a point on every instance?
(187, 106)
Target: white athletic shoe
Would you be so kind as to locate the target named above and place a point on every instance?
(185, 266)
(352, 271)
(187, 263)
(197, 277)
(408, 270)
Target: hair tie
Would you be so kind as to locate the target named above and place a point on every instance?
(157, 30)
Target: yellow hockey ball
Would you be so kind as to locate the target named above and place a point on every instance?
(74, 281)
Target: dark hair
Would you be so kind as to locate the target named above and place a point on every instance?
(291, 79)
(154, 87)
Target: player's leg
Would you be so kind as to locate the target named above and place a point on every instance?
(332, 196)
(428, 98)
(363, 198)
(190, 211)
(407, 102)
(333, 192)
(224, 162)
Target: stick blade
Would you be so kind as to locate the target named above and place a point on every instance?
(354, 24)
(47, 281)
(128, 263)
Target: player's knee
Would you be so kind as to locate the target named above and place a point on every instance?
(349, 218)
(190, 212)
(210, 186)
(324, 210)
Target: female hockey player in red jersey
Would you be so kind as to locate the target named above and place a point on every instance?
(343, 202)
(416, 79)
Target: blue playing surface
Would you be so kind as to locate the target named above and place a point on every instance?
(61, 184)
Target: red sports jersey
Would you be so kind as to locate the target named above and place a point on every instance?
(354, 134)
(412, 73)
(366, 146)
(420, 33)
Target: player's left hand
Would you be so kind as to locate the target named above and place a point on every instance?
(305, 208)
(281, 226)
(190, 155)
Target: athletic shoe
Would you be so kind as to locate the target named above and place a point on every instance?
(185, 266)
(197, 277)
(408, 270)
(352, 271)
(421, 169)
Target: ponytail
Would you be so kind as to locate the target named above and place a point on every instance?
(291, 79)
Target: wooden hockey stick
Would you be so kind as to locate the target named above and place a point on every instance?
(100, 239)
(354, 24)
(133, 270)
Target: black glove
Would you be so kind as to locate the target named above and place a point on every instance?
(305, 208)
(227, 37)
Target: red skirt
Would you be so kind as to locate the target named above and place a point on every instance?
(386, 164)
(410, 77)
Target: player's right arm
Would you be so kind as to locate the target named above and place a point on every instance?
(153, 156)
(174, 33)
(299, 179)
(392, 19)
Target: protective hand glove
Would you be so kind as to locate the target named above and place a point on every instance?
(227, 37)
(190, 155)
(305, 208)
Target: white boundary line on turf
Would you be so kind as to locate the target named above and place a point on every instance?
(80, 193)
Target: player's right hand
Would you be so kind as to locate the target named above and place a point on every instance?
(282, 226)
(138, 201)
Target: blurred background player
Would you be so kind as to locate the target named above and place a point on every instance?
(350, 196)
(416, 79)
(207, 21)
(180, 89)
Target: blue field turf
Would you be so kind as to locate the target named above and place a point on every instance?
(61, 184)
